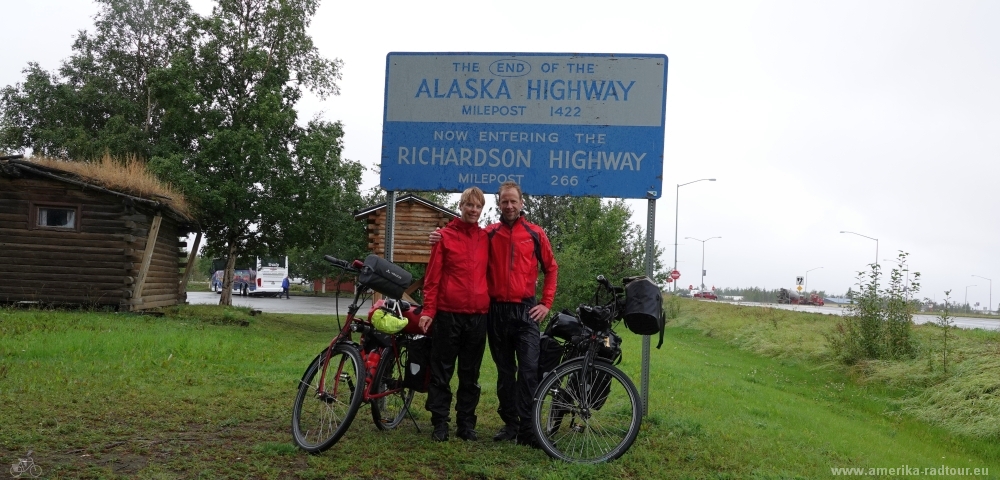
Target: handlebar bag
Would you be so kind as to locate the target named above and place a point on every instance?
(384, 277)
(644, 308)
(597, 317)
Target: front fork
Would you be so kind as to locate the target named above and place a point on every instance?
(582, 379)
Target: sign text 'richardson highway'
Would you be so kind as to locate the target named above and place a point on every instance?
(557, 124)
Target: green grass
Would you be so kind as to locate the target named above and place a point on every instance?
(198, 286)
(206, 391)
(965, 399)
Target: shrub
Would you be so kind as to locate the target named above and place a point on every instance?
(878, 322)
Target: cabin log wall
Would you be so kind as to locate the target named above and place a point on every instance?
(414, 222)
(96, 265)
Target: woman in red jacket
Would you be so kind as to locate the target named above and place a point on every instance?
(455, 306)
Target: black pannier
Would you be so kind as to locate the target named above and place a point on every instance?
(600, 382)
(552, 352)
(565, 326)
(550, 355)
(384, 277)
(643, 311)
(417, 363)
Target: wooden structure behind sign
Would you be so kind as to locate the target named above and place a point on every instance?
(415, 219)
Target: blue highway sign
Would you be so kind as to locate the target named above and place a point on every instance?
(555, 123)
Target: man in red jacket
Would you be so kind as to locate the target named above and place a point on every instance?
(517, 249)
(455, 303)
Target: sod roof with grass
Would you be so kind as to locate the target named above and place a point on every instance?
(128, 177)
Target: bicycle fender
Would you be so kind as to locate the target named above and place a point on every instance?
(320, 355)
(574, 359)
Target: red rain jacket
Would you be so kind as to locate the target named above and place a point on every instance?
(455, 280)
(516, 252)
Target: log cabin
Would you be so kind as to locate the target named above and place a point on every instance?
(416, 217)
(71, 239)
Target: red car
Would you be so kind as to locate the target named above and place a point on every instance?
(706, 295)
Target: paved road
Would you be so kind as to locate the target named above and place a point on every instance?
(961, 322)
(305, 304)
(327, 305)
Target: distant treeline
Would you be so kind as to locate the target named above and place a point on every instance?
(756, 294)
(928, 305)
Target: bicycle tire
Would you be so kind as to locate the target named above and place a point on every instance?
(567, 432)
(320, 419)
(389, 411)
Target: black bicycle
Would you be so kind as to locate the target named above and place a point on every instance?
(586, 409)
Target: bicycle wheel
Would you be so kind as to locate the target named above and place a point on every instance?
(388, 411)
(601, 430)
(321, 416)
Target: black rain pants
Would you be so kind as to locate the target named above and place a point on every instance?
(514, 340)
(461, 337)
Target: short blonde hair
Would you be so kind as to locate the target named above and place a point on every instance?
(472, 194)
(512, 185)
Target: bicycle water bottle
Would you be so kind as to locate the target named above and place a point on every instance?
(371, 362)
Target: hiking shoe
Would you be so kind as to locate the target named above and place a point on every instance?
(467, 434)
(528, 441)
(440, 433)
(508, 432)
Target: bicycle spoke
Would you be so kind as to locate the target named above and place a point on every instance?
(389, 410)
(601, 432)
(321, 416)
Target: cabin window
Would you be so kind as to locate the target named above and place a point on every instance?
(57, 217)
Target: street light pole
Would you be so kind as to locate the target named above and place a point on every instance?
(967, 294)
(990, 307)
(807, 277)
(702, 258)
(677, 209)
(869, 238)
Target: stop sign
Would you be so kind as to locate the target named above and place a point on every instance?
(669, 280)
(675, 274)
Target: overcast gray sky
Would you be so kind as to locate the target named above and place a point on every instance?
(876, 117)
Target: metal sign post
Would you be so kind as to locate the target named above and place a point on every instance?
(390, 222)
(644, 375)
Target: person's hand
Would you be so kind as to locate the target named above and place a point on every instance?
(434, 237)
(538, 312)
(425, 323)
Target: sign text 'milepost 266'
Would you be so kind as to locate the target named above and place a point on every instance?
(557, 124)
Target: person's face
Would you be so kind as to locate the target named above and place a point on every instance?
(471, 211)
(510, 204)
